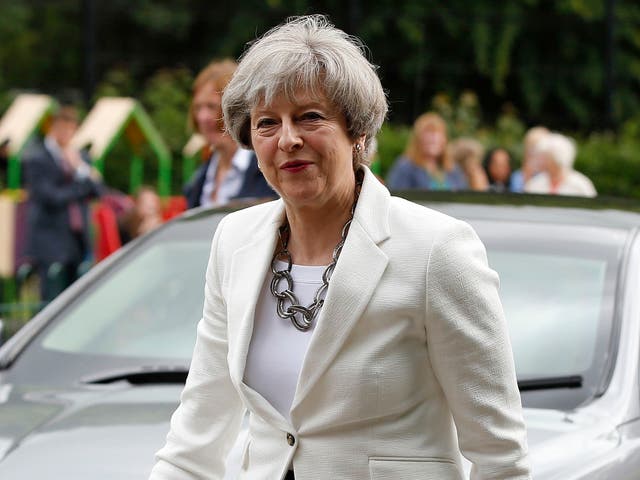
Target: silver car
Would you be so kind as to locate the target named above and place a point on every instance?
(88, 386)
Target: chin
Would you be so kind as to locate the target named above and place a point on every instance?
(300, 197)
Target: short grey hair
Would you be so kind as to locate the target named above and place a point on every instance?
(307, 54)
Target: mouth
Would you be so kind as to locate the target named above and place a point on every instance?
(295, 166)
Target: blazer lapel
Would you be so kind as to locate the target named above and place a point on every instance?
(358, 272)
(249, 266)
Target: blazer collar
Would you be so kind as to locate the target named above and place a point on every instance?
(249, 266)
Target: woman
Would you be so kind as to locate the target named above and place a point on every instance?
(530, 167)
(468, 153)
(426, 164)
(556, 153)
(230, 172)
(497, 165)
(355, 327)
(144, 216)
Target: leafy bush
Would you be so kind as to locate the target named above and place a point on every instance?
(612, 163)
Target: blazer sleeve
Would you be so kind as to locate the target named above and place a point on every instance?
(470, 351)
(207, 421)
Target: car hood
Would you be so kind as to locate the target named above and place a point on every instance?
(96, 432)
(560, 443)
(113, 431)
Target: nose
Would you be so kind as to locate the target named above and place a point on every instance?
(290, 139)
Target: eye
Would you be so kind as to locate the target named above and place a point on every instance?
(312, 115)
(265, 123)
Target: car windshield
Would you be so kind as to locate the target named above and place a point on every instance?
(147, 308)
(141, 311)
(557, 287)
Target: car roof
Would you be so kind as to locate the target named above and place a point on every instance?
(603, 212)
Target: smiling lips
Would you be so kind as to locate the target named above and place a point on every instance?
(295, 166)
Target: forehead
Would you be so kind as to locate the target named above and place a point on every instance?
(63, 122)
(207, 93)
(294, 99)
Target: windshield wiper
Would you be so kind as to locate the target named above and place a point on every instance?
(569, 381)
(144, 375)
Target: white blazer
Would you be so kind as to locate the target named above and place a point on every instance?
(409, 364)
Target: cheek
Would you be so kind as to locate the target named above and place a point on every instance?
(264, 149)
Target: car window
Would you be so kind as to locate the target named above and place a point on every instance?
(147, 308)
(558, 287)
(553, 304)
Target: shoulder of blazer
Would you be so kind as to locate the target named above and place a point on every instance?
(244, 226)
(37, 152)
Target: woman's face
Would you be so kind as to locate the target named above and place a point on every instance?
(304, 150)
(207, 112)
(499, 166)
(432, 142)
(148, 204)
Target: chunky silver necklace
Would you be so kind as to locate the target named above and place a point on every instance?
(303, 317)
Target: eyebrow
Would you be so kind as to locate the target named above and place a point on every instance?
(302, 106)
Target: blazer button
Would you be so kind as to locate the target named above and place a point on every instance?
(291, 440)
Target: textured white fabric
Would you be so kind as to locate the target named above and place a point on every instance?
(409, 365)
(231, 184)
(277, 348)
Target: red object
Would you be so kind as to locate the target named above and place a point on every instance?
(107, 235)
(174, 206)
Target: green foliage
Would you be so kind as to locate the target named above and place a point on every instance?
(392, 141)
(612, 163)
(117, 167)
(166, 98)
(546, 60)
(463, 116)
(117, 82)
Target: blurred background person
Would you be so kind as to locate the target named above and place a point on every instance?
(497, 166)
(556, 154)
(143, 217)
(426, 163)
(468, 153)
(530, 166)
(230, 172)
(60, 182)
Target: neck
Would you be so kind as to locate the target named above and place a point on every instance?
(556, 175)
(429, 163)
(225, 156)
(315, 232)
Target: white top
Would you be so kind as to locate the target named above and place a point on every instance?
(574, 183)
(232, 182)
(277, 348)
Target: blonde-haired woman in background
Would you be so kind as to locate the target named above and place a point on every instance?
(426, 163)
(229, 172)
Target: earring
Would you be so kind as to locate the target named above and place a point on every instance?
(358, 147)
